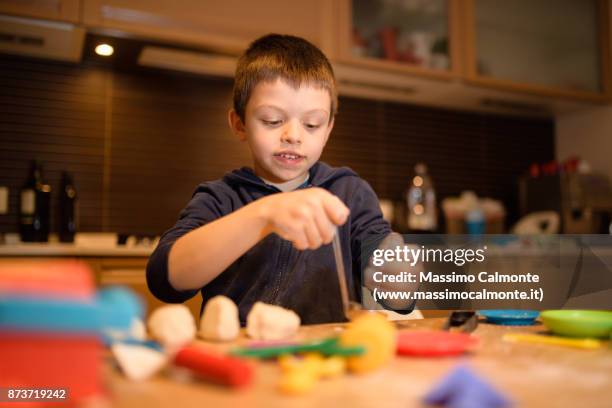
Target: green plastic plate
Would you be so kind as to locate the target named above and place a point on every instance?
(578, 323)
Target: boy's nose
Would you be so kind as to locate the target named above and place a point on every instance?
(292, 133)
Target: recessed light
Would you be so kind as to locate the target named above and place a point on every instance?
(104, 50)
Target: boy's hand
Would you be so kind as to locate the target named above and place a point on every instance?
(393, 268)
(308, 218)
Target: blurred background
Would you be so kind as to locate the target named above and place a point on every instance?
(112, 111)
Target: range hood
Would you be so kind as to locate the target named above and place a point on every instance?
(188, 61)
(41, 39)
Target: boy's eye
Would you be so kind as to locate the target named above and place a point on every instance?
(271, 122)
(312, 126)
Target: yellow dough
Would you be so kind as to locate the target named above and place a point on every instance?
(300, 374)
(297, 382)
(375, 333)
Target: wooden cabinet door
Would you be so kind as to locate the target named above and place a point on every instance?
(228, 25)
(130, 272)
(548, 47)
(413, 37)
(62, 10)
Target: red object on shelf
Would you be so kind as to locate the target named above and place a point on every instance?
(388, 38)
(434, 343)
(51, 360)
(215, 367)
(571, 165)
(550, 169)
(534, 170)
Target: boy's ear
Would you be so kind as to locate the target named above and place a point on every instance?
(236, 125)
(330, 126)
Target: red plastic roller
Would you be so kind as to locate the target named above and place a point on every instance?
(215, 367)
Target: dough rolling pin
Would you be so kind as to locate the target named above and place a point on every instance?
(350, 308)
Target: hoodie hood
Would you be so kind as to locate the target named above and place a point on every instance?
(320, 175)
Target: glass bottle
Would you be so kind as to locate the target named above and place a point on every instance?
(34, 207)
(67, 209)
(421, 201)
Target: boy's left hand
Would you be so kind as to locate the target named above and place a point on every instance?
(392, 268)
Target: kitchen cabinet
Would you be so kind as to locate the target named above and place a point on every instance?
(227, 26)
(61, 10)
(413, 37)
(551, 47)
(130, 272)
(497, 50)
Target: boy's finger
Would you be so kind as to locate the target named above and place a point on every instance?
(300, 241)
(335, 209)
(325, 227)
(312, 234)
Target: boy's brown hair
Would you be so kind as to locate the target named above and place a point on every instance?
(290, 58)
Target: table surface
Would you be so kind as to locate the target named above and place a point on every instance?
(531, 375)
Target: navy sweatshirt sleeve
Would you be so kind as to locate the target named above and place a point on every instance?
(368, 227)
(206, 205)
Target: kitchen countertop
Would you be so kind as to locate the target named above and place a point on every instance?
(531, 375)
(65, 249)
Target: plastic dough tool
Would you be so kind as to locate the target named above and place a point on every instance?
(462, 320)
(326, 347)
(350, 308)
(510, 317)
(429, 343)
(553, 340)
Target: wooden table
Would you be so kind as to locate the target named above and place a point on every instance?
(531, 375)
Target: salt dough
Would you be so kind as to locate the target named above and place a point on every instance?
(173, 326)
(220, 320)
(138, 362)
(270, 322)
(374, 332)
(138, 330)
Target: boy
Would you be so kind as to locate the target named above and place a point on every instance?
(260, 234)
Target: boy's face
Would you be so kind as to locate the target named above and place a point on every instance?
(286, 129)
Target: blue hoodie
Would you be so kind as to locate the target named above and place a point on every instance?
(273, 271)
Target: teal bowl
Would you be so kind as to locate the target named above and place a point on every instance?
(579, 323)
(510, 317)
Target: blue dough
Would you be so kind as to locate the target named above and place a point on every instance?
(113, 310)
(464, 389)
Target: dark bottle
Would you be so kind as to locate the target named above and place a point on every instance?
(35, 207)
(67, 209)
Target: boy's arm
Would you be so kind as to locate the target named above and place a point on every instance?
(369, 231)
(205, 206)
(305, 217)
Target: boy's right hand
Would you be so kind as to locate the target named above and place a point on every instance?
(308, 217)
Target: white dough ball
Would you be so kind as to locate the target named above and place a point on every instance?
(270, 322)
(138, 362)
(173, 326)
(138, 330)
(220, 321)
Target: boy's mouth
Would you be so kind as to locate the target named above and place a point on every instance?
(288, 157)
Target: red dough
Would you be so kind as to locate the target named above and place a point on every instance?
(51, 360)
(434, 343)
(61, 279)
(215, 367)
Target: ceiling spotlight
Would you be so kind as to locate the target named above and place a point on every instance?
(104, 50)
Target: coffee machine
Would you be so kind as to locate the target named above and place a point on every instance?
(583, 201)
